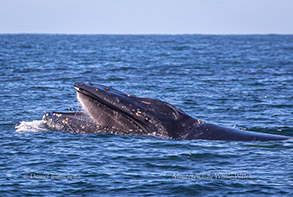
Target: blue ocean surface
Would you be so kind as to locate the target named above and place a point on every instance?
(240, 81)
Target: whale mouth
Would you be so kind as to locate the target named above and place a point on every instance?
(103, 105)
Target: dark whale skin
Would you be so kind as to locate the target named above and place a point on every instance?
(112, 111)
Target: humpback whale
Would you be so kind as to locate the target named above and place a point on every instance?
(111, 111)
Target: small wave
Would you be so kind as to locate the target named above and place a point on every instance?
(32, 126)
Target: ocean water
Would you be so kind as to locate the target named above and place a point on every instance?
(240, 81)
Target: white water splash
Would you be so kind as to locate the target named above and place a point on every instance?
(32, 126)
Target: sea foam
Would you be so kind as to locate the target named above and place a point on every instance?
(31, 126)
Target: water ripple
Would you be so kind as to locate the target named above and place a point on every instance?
(234, 81)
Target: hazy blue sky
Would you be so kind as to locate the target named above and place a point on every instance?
(147, 16)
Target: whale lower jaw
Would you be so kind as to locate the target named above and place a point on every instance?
(79, 122)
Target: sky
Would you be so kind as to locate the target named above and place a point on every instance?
(147, 16)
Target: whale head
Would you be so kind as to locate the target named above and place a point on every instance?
(114, 110)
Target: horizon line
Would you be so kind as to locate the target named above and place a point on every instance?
(219, 34)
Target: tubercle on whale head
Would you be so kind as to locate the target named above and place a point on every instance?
(50, 118)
